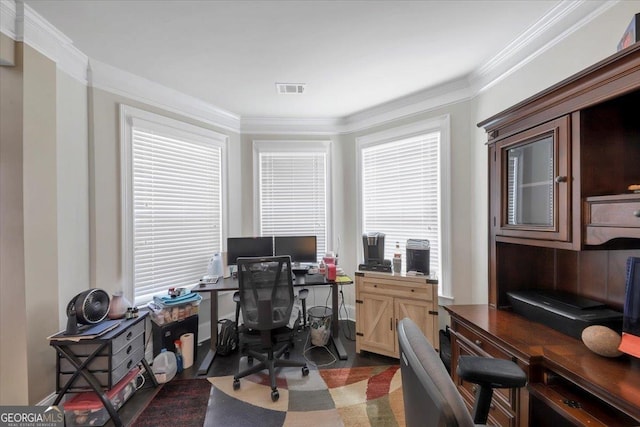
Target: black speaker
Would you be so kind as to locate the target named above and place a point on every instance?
(165, 335)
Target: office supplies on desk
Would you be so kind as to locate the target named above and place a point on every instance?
(207, 280)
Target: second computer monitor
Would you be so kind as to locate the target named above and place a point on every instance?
(300, 248)
(248, 247)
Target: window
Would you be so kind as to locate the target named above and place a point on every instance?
(403, 190)
(173, 201)
(292, 188)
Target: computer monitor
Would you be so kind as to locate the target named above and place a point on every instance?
(300, 248)
(248, 247)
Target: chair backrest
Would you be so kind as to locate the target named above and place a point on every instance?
(266, 291)
(430, 396)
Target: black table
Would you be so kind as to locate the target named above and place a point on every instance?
(230, 284)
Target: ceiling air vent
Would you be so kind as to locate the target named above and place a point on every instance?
(291, 88)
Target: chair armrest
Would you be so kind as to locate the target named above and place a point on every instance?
(487, 371)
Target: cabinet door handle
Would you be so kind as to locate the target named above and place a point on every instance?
(478, 343)
(560, 179)
(636, 213)
(391, 324)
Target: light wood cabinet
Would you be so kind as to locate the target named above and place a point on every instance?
(383, 299)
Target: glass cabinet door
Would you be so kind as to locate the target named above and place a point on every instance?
(533, 168)
(530, 183)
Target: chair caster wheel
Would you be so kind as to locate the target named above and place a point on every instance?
(305, 371)
(236, 384)
(275, 395)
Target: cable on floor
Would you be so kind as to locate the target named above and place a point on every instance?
(311, 362)
(351, 335)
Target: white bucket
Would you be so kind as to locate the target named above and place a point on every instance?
(164, 366)
(320, 325)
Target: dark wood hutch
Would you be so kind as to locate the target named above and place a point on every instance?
(561, 217)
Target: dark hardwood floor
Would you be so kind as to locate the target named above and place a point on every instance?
(228, 365)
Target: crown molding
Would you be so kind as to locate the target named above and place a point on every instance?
(111, 79)
(32, 29)
(427, 100)
(407, 106)
(556, 25)
(8, 18)
(290, 125)
(22, 23)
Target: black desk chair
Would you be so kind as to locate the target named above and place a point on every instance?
(266, 300)
(430, 396)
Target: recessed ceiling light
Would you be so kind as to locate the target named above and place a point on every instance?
(291, 88)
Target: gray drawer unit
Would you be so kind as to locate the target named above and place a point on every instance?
(105, 361)
(106, 377)
(118, 351)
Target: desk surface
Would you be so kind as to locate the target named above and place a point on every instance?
(231, 284)
(613, 380)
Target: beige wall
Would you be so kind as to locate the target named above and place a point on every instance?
(14, 390)
(40, 219)
(29, 275)
(73, 190)
(43, 193)
(7, 51)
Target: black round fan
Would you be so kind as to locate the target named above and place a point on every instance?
(86, 308)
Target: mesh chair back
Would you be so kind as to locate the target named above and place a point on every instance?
(266, 291)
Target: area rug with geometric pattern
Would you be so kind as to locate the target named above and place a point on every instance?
(359, 397)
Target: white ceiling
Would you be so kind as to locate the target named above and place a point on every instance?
(353, 55)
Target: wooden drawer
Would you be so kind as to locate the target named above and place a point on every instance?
(423, 291)
(610, 217)
(498, 415)
(614, 211)
(482, 345)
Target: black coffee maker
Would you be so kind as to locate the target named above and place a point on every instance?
(373, 245)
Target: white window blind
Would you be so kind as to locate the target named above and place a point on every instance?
(400, 193)
(176, 201)
(293, 192)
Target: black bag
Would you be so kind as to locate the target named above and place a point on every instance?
(227, 339)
